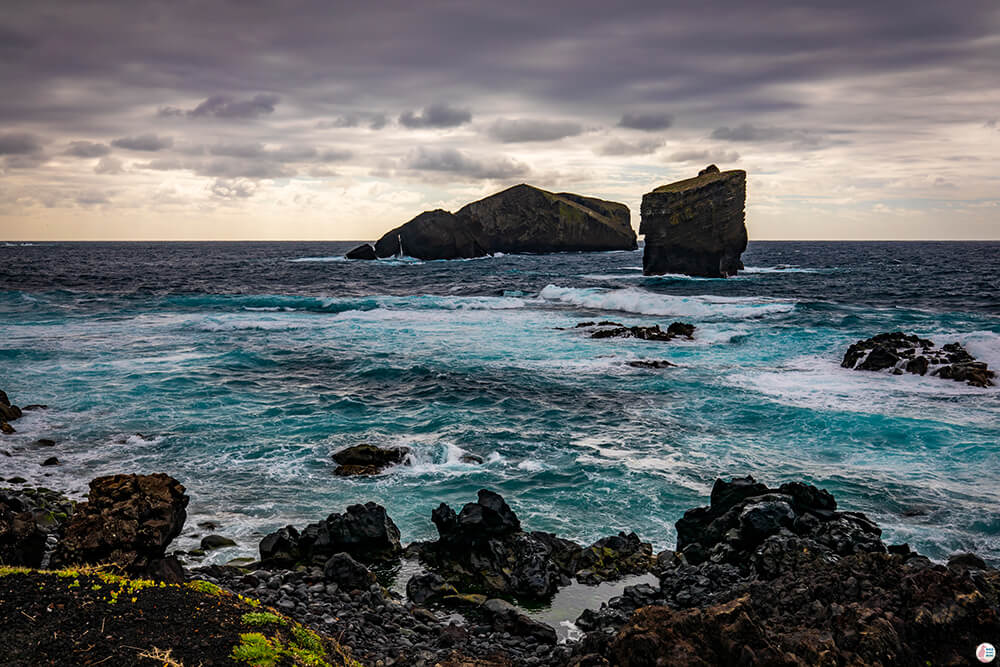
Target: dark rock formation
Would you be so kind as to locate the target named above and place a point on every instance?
(651, 363)
(521, 219)
(484, 549)
(898, 352)
(430, 587)
(367, 459)
(211, 542)
(696, 226)
(654, 332)
(8, 413)
(363, 251)
(31, 521)
(505, 617)
(348, 573)
(128, 520)
(365, 532)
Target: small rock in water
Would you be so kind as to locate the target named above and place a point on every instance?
(651, 363)
(210, 542)
(51, 461)
(898, 353)
(44, 442)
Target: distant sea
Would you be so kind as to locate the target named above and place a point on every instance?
(240, 367)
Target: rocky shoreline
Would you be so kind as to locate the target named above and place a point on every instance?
(759, 576)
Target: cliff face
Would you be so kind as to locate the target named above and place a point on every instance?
(521, 219)
(696, 226)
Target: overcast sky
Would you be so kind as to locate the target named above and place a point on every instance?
(248, 119)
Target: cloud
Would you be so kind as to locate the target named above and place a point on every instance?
(144, 142)
(19, 143)
(226, 188)
(335, 155)
(513, 130)
(376, 121)
(646, 121)
(455, 161)
(436, 115)
(619, 147)
(705, 157)
(992, 123)
(755, 134)
(109, 165)
(224, 106)
(284, 154)
(92, 198)
(87, 149)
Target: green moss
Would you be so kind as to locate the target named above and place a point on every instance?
(204, 587)
(256, 649)
(263, 618)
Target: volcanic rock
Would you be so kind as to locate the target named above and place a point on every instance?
(367, 459)
(365, 532)
(696, 226)
(30, 522)
(128, 520)
(521, 219)
(899, 352)
(363, 251)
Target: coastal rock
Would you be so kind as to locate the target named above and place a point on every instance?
(8, 411)
(430, 587)
(30, 521)
(521, 219)
(505, 617)
(648, 333)
(366, 532)
(899, 352)
(347, 573)
(367, 459)
(128, 520)
(211, 542)
(363, 251)
(696, 226)
(613, 557)
(651, 363)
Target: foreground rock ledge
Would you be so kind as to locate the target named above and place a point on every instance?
(521, 219)
(696, 227)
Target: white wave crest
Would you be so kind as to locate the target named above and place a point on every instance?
(702, 307)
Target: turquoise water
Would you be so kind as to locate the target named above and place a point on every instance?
(239, 369)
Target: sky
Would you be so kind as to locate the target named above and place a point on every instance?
(328, 120)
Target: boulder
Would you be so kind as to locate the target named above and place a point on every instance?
(696, 226)
(368, 459)
(613, 557)
(211, 542)
(127, 520)
(899, 352)
(521, 219)
(366, 532)
(505, 617)
(31, 520)
(363, 251)
(429, 587)
(348, 573)
(647, 333)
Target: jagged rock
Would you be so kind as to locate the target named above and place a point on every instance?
(51, 461)
(899, 352)
(696, 226)
(365, 532)
(128, 520)
(368, 459)
(521, 219)
(643, 333)
(6, 428)
(363, 251)
(612, 558)
(348, 573)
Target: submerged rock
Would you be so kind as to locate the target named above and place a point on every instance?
(8, 412)
(368, 459)
(898, 352)
(654, 332)
(521, 219)
(363, 251)
(128, 520)
(696, 226)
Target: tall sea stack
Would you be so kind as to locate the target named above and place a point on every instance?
(696, 226)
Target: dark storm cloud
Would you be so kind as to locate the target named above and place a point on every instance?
(646, 121)
(436, 115)
(619, 147)
(224, 106)
(457, 162)
(514, 130)
(87, 149)
(149, 143)
(19, 143)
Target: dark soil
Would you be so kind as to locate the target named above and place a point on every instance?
(90, 619)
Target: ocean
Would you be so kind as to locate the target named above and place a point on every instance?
(239, 368)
